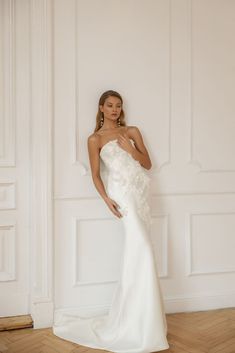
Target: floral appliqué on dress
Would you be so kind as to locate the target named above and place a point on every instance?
(126, 172)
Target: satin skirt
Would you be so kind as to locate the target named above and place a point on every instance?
(136, 321)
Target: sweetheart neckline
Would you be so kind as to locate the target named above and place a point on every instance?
(109, 142)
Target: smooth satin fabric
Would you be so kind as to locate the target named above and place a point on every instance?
(136, 321)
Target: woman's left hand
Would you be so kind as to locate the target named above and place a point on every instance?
(125, 143)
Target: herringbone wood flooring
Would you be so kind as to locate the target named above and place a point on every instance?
(192, 332)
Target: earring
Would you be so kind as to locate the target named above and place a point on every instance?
(101, 120)
(119, 122)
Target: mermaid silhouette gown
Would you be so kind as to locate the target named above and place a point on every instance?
(136, 321)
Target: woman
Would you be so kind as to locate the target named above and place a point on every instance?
(136, 321)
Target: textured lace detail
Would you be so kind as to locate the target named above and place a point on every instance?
(131, 177)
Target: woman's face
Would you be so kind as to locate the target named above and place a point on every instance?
(112, 108)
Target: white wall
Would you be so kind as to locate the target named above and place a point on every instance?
(14, 159)
(26, 252)
(173, 63)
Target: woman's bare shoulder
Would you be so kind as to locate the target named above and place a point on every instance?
(93, 139)
(132, 127)
(132, 130)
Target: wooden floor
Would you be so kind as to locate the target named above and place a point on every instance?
(195, 332)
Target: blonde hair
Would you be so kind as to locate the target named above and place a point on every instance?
(99, 115)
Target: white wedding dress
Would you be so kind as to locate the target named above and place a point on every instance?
(136, 321)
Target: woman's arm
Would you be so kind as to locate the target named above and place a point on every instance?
(93, 151)
(94, 157)
(139, 152)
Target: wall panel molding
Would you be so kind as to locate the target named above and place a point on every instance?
(163, 239)
(7, 196)
(163, 221)
(77, 158)
(193, 159)
(7, 252)
(7, 83)
(191, 269)
(77, 225)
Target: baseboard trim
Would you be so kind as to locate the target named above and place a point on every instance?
(199, 302)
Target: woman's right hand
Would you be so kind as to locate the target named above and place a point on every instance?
(113, 206)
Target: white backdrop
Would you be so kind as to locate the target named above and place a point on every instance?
(176, 80)
(173, 63)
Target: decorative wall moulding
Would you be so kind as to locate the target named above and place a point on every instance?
(84, 166)
(191, 268)
(193, 158)
(7, 68)
(164, 218)
(7, 196)
(7, 252)
(163, 254)
(76, 281)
